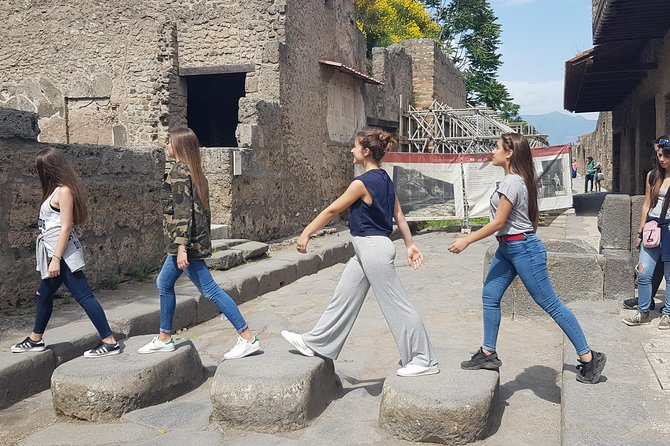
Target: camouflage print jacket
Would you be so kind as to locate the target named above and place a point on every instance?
(185, 221)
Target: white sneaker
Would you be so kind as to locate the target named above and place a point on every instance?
(417, 370)
(156, 345)
(243, 348)
(295, 340)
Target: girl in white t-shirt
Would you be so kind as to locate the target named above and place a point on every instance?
(514, 217)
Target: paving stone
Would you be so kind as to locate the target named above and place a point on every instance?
(619, 278)
(452, 407)
(24, 374)
(71, 434)
(251, 250)
(143, 317)
(614, 222)
(627, 386)
(225, 259)
(274, 391)
(106, 388)
(226, 243)
(182, 438)
(192, 416)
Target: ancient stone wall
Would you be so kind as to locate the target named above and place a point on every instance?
(294, 166)
(108, 73)
(123, 235)
(598, 145)
(392, 66)
(433, 75)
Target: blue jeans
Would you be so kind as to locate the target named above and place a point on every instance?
(77, 284)
(198, 273)
(649, 257)
(528, 259)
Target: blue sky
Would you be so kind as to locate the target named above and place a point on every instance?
(538, 36)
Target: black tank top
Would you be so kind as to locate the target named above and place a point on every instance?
(377, 218)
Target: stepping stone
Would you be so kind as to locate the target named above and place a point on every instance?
(226, 259)
(106, 388)
(251, 250)
(274, 391)
(226, 243)
(452, 407)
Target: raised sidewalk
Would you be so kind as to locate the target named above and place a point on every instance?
(22, 375)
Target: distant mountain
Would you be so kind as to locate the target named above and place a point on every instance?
(561, 128)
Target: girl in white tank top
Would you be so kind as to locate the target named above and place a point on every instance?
(59, 254)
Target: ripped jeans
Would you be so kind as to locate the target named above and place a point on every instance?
(649, 257)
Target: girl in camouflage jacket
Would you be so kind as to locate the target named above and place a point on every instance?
(186, 229)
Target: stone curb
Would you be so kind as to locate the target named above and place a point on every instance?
(243, 283)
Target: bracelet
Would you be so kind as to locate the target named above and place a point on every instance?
(57, 257)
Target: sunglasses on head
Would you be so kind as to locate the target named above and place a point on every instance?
(664, 142)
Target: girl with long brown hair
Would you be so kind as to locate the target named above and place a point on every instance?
(514, 218)
(60, 258)
(186, 230)
(656, 194)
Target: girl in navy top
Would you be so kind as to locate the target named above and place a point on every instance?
(373, 203)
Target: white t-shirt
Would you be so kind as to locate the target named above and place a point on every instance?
(514, 188)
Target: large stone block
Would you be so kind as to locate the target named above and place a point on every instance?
(104, 389)
(143, 316)
(277, 390)
(226, 259)
(619, 280)
(635, 214)
(574, 276)
(251, 250)
(452, 407)
(614, 222)
(273, 274)
(23, 375)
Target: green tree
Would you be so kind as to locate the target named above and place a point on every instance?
(385, 22)
(470, 35)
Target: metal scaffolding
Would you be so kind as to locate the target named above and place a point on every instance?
(442, 129)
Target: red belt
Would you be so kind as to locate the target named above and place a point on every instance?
(512, 237)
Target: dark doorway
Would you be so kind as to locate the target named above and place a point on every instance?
(213, 102)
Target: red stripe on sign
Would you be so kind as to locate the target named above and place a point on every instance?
(452, 158)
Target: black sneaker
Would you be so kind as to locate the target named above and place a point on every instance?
(103, 349)
(28, 345)
(589, 372)
(631, 304)
(480, 361)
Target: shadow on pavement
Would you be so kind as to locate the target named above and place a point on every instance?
(540, 379)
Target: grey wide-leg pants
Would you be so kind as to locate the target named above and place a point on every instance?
(372, 266)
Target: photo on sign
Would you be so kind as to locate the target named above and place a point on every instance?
(551, 181)
(422, 195)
